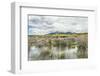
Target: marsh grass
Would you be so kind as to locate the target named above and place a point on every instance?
(61, 42)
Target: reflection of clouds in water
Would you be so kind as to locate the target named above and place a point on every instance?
(40, 25)
(34, 52)
(71, 53)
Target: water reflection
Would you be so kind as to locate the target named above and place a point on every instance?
(57, 49)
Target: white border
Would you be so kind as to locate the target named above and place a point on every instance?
(20, 65)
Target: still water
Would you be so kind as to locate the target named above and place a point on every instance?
(53, 53)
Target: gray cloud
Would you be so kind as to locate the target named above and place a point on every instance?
(40, 25)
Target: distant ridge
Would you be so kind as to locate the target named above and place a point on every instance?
(62, 33)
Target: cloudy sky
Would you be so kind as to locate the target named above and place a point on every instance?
(41, 25)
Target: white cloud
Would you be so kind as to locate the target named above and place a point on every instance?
(40, 25)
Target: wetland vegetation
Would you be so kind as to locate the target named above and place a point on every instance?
(58, 46)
